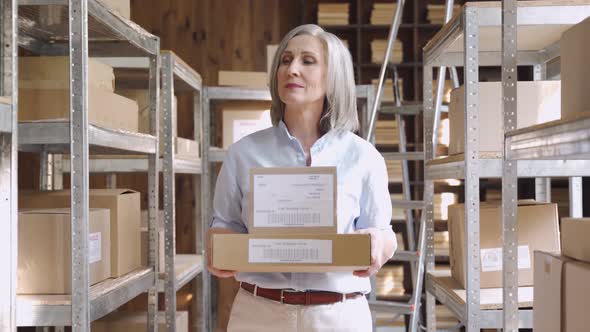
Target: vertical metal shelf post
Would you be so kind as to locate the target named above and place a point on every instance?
(8, 167)
(169, 190)
(471, 79)
(428, 129)
(206, 206)
(153, 191)
(509, 169)
(78, 10)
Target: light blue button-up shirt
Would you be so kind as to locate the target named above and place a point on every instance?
(363, 195)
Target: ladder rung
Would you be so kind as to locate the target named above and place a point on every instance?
(402, 110)
(412, 109)
(391, 307)
(405, 256)
(403, 204)
(414, 155)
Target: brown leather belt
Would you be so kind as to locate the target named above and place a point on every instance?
(298, 298)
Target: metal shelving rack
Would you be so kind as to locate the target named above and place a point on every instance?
(8, 160)
(176, 76)
(458, 44)
(87, 26)
(364, 93)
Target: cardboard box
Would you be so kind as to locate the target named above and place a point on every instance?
(121, 7)
(250, 79)
(241, 121)
(144, 219)
(575, 52)
(537, 230)
(576, 297)
(187, 149)
(161, 249)
(574, 238)
(547, 292)
(561, 295)
(291, 252)
(57, 69)
(294, 200)
(143, 102)
(124, 205)
(45, 250)
(50, 100)
(538, 102)
(136, 322)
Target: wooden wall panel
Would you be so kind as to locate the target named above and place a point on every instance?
(210, 35)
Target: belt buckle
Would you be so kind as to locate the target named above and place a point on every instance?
(283, 294)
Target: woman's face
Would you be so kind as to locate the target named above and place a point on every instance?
(302, 71)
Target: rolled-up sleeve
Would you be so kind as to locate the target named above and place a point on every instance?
(375, 201)
(227, 201)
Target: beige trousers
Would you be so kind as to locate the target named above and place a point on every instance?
(256, 314)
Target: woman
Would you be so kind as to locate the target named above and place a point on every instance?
(314, 116)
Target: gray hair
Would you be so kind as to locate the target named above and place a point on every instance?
(340, 110)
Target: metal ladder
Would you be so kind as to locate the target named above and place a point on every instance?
(414, 254)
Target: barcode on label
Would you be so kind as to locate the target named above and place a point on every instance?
(293, 219)
(291, 254)
(289, 251)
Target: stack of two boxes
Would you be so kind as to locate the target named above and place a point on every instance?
(292, 227)
(44, 238)
(538, 229)
(561, 290)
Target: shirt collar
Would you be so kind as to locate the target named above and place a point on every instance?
(318, 145)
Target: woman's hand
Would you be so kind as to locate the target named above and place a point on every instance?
(217, 272)
(383, 245)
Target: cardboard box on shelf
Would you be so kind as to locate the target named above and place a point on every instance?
(333, 13)
(124, 321)
(144, 219)
(388, 94)
(291, 252)
(161, 249)
(187, 149)
(57, 69)
(575, 52)
(241, 120)
(121, 7)
(561, 294)
(161, 240)
(382, 13)
(124, 206)
(293, 200)
(45, 250)
(537, 230)
(538, 102)
(386, 132)
(574, 238)
(250, 79)
(143, 102)
(50, 100)
(379, 46)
